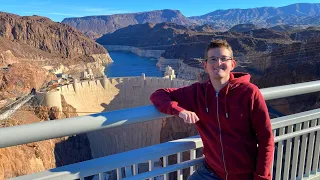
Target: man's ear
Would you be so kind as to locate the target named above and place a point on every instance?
(204, 64)
(234, 64)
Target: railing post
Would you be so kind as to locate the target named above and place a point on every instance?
(165, 164)
(295, 154)
(151, 166)
(101, 176)
(279, 156)
(192, 156)
(119, 174)
(179, 172)
(316, 153)
(135, 169)
(303, 151)
(310, 149)
(287, 155)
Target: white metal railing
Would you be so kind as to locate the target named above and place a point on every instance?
(297, 144)
(125, 159)
(294, 135)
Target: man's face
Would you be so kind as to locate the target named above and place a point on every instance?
(219, 63)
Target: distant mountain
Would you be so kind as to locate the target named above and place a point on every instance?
(308, 34)
(301, 14)
(295, 14)
(266, 33)
(185, 42)
(203, 28)
(151, 35)
(314, 20)
(110, 23)
(283, 28)
(243, 27)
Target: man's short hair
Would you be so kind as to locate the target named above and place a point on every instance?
(218, 43)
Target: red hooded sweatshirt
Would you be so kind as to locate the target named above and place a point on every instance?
(232, 123)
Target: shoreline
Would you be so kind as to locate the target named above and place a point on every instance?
(138, 51)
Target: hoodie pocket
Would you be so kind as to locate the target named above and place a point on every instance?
(250, 152)
(239, 158)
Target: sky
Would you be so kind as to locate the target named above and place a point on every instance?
(57, 10)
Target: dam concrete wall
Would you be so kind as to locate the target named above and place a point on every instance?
(108, 94)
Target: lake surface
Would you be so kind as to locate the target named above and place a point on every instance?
(128, 64)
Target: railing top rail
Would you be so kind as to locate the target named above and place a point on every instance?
(16, 135)
(290, 90)
(295, 118)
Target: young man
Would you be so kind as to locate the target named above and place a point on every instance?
(230, 115)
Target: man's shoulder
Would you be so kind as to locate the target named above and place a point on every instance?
(198, 84)
(250, 87)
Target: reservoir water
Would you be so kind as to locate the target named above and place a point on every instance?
(128, 64)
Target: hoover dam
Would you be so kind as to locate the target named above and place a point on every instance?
(109, 94)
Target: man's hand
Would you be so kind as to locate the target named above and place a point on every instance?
(189, 117)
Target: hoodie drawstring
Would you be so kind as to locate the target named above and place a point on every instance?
(225, 102)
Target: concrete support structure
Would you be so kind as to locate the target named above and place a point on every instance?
(169, 73)
(53, 98)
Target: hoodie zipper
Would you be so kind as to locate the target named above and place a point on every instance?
(224, 163)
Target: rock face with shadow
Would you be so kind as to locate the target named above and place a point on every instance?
(42, 33)
(72, 150)
(19, 78)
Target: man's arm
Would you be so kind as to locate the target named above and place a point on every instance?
(262, 126)
(174, 100)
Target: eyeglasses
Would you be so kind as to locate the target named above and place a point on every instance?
(213, 60)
